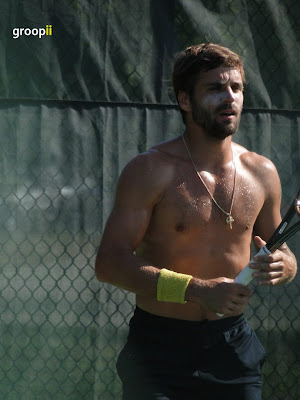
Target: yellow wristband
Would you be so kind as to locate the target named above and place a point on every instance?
(171, 286)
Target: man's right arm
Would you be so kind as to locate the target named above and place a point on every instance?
(139, 189)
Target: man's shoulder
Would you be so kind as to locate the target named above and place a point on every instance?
(155, 164)
(260, 172)
(161, 155)
(254, 162)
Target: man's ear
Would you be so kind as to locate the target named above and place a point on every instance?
(184, 101)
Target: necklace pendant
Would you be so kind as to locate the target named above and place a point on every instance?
(229, 220)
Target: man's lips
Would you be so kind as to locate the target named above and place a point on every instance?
(227, 113)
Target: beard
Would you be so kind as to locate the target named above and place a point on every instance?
(213, 128)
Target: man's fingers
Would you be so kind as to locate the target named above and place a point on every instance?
(267, 258)
(275, 267)
(242, 290)
(269, 282)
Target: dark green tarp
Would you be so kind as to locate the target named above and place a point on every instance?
(75, 107)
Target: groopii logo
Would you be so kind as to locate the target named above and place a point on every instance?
(39, 32)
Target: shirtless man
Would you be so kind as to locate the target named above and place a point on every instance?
(184, 216)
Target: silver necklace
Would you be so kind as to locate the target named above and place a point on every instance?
(229, 218)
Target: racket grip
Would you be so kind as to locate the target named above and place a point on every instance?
(245, 276)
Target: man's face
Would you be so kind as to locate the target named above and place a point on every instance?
(217, 101)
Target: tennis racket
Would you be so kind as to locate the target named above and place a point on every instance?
(280, 236)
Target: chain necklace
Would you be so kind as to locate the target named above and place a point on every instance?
(229, 219)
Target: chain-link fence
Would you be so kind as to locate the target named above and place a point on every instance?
(77, 105)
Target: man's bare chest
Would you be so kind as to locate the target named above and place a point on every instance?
(187, 205)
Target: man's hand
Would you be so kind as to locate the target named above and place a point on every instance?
(220, 295)
(277, 268)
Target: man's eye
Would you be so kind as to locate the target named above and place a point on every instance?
(236, 88)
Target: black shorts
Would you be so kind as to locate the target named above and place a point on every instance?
(171, 359)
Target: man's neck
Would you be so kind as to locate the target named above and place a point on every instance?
(208, 152)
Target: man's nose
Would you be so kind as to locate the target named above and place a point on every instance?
(229, 95)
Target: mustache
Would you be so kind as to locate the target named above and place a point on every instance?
(227, 107)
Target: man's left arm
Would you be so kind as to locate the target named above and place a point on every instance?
(279, 267)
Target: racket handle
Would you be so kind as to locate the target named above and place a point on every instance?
(245, 276)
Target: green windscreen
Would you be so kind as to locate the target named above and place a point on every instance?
(84, 87)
